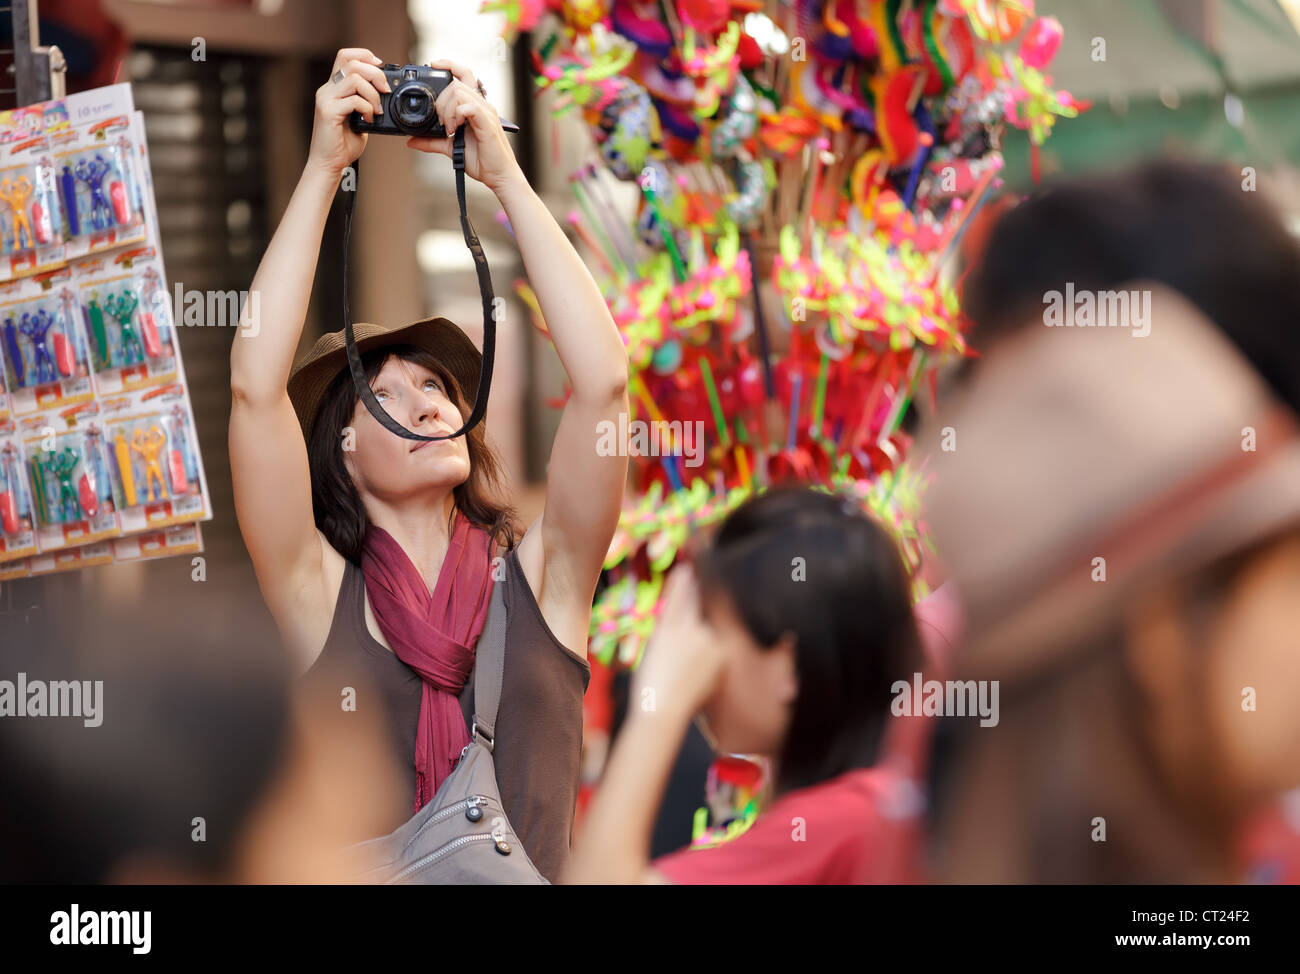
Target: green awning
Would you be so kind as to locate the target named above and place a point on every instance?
(1161, 92)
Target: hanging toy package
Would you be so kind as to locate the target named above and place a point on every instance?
(31, 225)
(68, 464)
(17, 529)
(71, 559)
(18, 568)
(128, 321)
(45, 360)
(98, 187)
(179, 539)
(156, 475)
(99, 458)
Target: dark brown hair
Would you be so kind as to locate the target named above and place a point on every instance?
(1186, 225)
(336, 504)
(851, 619)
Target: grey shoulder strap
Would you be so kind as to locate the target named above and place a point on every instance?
(489, 666)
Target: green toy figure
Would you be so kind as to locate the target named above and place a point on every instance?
(122, 307)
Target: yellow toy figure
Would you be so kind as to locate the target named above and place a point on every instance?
(147, 445)
(16, 192)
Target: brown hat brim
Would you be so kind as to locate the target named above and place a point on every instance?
(441, 338)
(1090, 444)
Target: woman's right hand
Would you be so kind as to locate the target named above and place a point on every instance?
(685, 660)
(334, 146)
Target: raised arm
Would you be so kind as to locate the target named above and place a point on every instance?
(268, 457)
(680, 671)
(584, 490)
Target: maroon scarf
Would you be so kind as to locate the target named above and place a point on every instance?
(434, 634)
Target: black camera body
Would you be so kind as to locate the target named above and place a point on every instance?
(408, 107)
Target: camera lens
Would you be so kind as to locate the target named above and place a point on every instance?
(412, 106)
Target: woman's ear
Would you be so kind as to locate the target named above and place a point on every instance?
(347, 443)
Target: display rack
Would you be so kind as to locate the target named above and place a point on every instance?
(38, 74)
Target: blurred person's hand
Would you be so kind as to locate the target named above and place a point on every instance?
(683, 664)
(334, 146)
(488, 156)
(333, 790)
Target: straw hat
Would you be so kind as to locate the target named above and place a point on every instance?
(441, 338)
(1086, 443)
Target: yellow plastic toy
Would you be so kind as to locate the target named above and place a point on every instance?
(16, 193)
(148, 445)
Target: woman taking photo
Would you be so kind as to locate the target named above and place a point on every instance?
(376, 555)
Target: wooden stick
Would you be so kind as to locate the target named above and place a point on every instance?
(973, 203)
(915, 94)
(674, 28)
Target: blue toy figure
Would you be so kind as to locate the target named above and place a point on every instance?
(36, 327)
(92, 174)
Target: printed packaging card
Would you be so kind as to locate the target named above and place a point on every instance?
(182, 539)
(68, 468)
(85, 556)
(128, 320)
(99, 187)
(155, 470)
(31, 225)
(10, 570)
(46, 361)
(61, 114)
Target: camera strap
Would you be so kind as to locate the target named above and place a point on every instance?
(363, 389)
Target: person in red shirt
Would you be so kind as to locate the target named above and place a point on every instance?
(786, 639)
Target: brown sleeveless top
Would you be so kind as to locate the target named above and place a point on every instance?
(539, 724)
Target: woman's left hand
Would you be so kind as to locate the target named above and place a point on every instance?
(488, 156)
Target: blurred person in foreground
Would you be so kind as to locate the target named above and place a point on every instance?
(1121, 516)
(796, 669)
(1189, 226)
(198, 767)
(1201, 231)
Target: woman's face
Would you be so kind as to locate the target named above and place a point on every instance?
(1253, 674)
(1222, 686)
(389, 468)
(750, 710)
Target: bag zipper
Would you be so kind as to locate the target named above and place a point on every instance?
(449, 812)
(440, 852)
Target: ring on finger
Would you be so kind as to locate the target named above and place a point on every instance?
(481, 90)
(338, 76)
